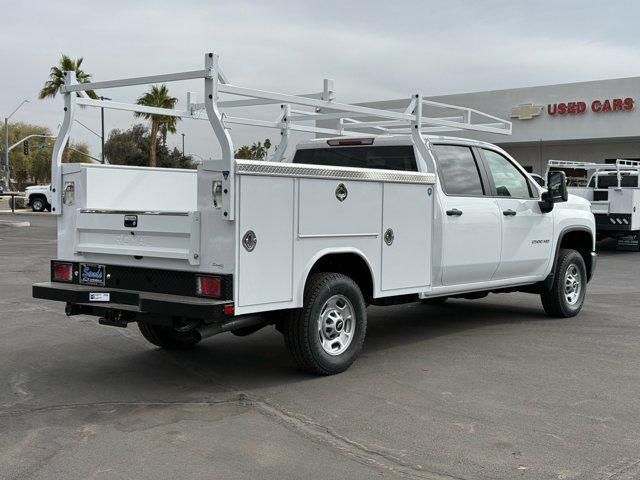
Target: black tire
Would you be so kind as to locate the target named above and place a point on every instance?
(301, 327)
(38, 204)
(167, 337)
(556, 300)
(434, 301)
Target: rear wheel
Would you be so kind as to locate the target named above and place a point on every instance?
(38, 204)
(173, 338)
(325, 336)
(566, 296)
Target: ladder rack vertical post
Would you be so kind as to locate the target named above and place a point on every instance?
(227, 163)
(61, 142)
(416, 131)
(285, 119)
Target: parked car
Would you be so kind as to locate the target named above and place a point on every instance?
(38, 197)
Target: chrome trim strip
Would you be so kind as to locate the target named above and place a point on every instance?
(335, 235)
(257, 167)
(133, 212)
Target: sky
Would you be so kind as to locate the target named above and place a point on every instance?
(373, 50)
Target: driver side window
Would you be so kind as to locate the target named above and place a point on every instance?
(508, 180)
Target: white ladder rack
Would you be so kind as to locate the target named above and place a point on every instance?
(296, 112)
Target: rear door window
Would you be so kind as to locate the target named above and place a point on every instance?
(387, 157)
(459, 171)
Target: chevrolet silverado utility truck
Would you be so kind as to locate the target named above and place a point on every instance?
(381, 210)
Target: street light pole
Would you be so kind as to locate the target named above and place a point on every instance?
(5, 161)
(183, 144)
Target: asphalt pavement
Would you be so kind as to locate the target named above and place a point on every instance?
(483, 389)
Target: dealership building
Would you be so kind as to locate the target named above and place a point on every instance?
(587, 121)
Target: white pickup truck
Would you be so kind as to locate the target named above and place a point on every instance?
(398, 215)
(38, 197)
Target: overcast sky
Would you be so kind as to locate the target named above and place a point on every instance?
(374, 50)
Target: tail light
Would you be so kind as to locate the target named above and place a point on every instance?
(345, 142)
(63, 272)
(208, 286)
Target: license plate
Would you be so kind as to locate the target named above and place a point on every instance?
(99, 297)
(91, 274)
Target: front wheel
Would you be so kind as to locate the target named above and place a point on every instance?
(325, 336)
(566, 296)
(38, 204)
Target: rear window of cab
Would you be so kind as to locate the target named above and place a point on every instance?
(385, 157)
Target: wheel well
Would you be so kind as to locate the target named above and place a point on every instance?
(33, 196)
(349, 264)
(581, 241)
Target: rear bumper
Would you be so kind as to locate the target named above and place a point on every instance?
(138, 304)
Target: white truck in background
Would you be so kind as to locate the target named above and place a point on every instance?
(38, 197)
(614, 194)
(385, 211)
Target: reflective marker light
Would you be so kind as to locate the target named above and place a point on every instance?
(228, 309)
(63, 272)
(208, 286)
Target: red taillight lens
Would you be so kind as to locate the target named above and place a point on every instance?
(63, 272)
(208, 286)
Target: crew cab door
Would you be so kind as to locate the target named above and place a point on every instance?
(526, 231)
(470, 218)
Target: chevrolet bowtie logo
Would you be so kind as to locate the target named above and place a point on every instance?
(526, 111)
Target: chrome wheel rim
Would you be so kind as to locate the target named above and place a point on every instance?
(572, 284)
(336, 325)
(38, 205)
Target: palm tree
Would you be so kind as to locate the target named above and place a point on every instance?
(56, 77)
(244, 152)
(159, 97)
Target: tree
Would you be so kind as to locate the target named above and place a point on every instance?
(257, 151)
(56, 77)
(36, 166)
(131, 147)
(159, 97)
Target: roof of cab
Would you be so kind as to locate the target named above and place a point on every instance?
(393, 140)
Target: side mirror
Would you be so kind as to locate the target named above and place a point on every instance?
(556, 191)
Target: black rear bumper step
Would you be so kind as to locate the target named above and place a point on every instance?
(131, 301)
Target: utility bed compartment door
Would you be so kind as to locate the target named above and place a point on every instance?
(406, 236)
(265, 270)
(158, 235)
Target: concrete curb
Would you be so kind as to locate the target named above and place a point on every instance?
(24, 212)
(7, 223)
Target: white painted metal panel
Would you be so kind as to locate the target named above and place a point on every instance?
(407, 211)
(140, 189)
(527, 239)
(266, 208)
(323, 214)
(471, 242)
(158, 236)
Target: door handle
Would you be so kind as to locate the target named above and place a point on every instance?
(454, 213)
(509, 213)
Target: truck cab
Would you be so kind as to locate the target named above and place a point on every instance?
(479, 188)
